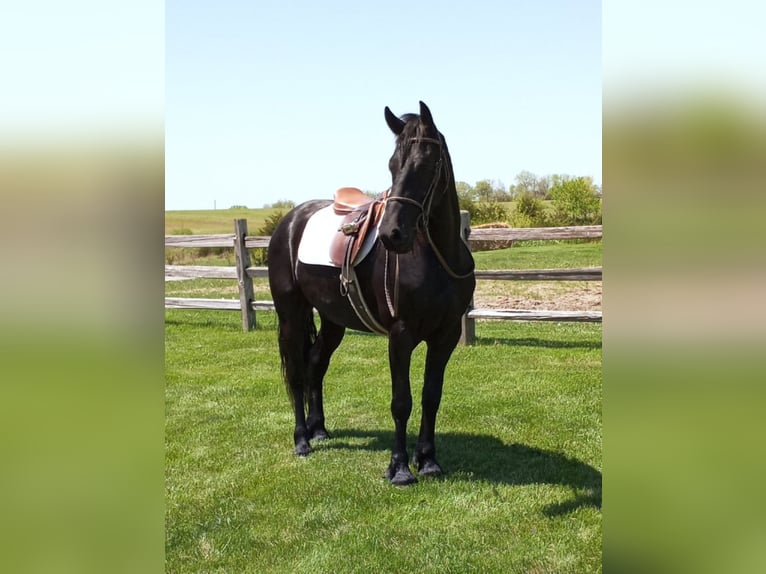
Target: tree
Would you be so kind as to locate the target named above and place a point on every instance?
(281, 204)
(576, 201)
(543, 187)
(499, 192)
(484, 191)
(528, 183)
(465, 196)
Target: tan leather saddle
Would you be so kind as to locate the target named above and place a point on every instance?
(362, 213)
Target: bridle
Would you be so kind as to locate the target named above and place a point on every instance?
(425, 206)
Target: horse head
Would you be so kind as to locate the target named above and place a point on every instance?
(419, 174)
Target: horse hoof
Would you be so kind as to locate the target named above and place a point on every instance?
(430, 468)
(320, 434)
(400, 477)
(302, 450)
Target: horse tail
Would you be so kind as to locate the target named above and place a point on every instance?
(294, 350)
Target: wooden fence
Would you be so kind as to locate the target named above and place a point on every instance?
(244, 273)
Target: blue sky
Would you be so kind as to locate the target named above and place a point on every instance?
(274, 100)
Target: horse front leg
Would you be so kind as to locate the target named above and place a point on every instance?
(400, 347)
(437, 356)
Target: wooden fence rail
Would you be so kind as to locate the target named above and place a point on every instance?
(531, 233)
(219, 304)
(244, 273)
(220, 240)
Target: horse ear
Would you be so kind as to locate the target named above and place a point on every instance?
(425, 115)
(396, 125)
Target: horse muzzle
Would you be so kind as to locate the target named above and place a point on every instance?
(398, 227)
(396, 240)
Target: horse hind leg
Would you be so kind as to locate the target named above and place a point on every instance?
(327, 341)
(297, 335)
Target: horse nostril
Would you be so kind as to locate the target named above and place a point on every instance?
(395, 240)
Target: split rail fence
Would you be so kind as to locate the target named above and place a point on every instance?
(244, 273)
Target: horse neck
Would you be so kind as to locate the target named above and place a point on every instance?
(444, 222)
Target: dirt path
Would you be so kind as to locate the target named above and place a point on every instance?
(559, 296)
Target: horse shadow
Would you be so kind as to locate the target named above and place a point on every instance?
(485, 458)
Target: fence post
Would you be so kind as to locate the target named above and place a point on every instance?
(468, 326)
(244, 281)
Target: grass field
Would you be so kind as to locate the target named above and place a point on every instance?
(519, 436)
(542, 255)
(210, 221)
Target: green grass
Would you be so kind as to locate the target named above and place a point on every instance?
(519, 435)
(211, 221)
(542, 255)
(215, 289)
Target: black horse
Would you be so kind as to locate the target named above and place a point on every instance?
(419, 236)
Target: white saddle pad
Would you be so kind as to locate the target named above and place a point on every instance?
(314, 248)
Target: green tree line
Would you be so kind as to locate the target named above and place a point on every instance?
(536, 201)
(571, 200)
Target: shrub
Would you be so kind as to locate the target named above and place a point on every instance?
(529, 212)
(488, 212)
(466, 203)
(210, 251)
(259, 256)
(465, 199)
(576, 202)
(523, 220)
(271, 223)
